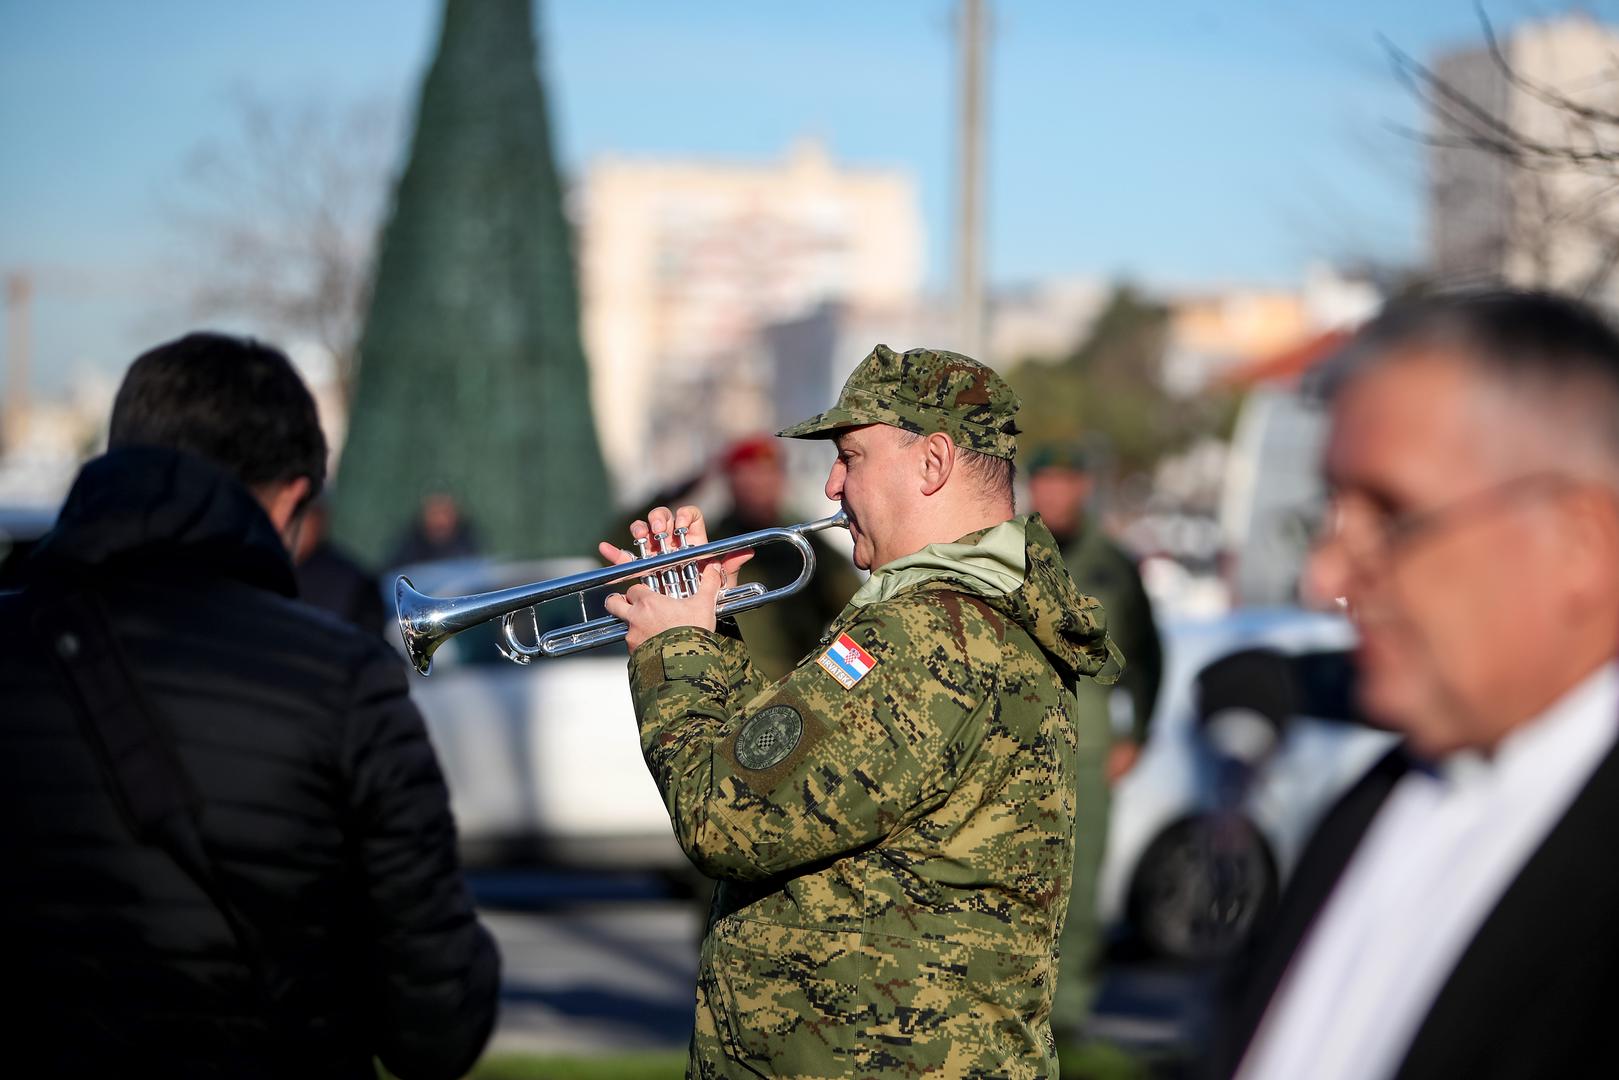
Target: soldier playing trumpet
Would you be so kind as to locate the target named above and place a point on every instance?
(892, 823)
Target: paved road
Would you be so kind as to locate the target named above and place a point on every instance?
(616, 975)
(594, 964)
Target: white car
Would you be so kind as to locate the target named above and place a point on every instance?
(1198, 846)
(542, 761)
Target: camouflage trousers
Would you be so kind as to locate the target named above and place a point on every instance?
(786, 1002)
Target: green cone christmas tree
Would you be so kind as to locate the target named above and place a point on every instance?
(472, 378)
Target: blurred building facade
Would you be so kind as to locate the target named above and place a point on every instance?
(1494, 220)
(1211, 331)
(684, 265)
(1043, 320)
(811, 356)
(1217, 333)
(47, 437)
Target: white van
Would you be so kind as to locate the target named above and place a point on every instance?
(1273, 491)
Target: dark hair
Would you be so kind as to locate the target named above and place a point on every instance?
(1530, 341)
(993, 474)
(996, 474)
(235, 401)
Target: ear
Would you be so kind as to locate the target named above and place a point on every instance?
(1588, 547)
(938, 462)
(282, 502)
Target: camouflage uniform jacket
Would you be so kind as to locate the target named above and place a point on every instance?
(894, 854)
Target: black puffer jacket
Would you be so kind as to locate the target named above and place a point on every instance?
(321, 805)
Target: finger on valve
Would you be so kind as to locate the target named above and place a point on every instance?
(661, 539)
(690, 518)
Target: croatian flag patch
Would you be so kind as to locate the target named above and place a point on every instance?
(847, 662)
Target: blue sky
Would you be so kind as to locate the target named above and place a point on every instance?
(1176, 141)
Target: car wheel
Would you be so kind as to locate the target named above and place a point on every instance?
(1200, 886)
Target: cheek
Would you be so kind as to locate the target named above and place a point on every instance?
(1465, 618)
(875, 485)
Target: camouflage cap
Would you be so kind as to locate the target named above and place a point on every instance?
(1071, 455)
(924, 391)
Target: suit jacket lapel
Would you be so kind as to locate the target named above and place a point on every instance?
(1543, 956)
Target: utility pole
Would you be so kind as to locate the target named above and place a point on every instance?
(969, 181)
(19, 294)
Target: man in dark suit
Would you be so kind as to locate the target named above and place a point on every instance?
(1458, 913)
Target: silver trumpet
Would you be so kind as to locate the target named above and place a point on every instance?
(426, 622)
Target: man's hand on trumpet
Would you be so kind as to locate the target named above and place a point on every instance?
(649, 613)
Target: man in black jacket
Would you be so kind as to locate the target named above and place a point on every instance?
(1454, 914)
(226, 842)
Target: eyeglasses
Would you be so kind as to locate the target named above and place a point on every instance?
(1369, 535)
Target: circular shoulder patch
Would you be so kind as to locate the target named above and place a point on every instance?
(768, 737)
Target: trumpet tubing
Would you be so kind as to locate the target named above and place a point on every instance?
(426, 622)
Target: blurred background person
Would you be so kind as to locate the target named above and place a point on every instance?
(331, 579)
(778, 635)
(227, 844)
(1061, 484)
(1453, 915)
(439, 531)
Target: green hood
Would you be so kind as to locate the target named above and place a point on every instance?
(1017, 568)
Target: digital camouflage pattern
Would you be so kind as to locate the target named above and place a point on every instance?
(924, 391)
(893, 858)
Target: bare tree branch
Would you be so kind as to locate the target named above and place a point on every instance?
(1479, 131)
(1556, 99)
(1538, 206)
(279, 220)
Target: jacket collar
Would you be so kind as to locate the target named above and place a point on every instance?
(153, 509)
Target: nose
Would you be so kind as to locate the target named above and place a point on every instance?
(834, 482)
(1328, 573)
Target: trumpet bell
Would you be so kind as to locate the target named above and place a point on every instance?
(425, 623)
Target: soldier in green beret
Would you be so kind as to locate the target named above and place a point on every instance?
(1111, 727)
(892, 823)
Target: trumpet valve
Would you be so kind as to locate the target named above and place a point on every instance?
(688, 572)
(668, 581)
(642, 551)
